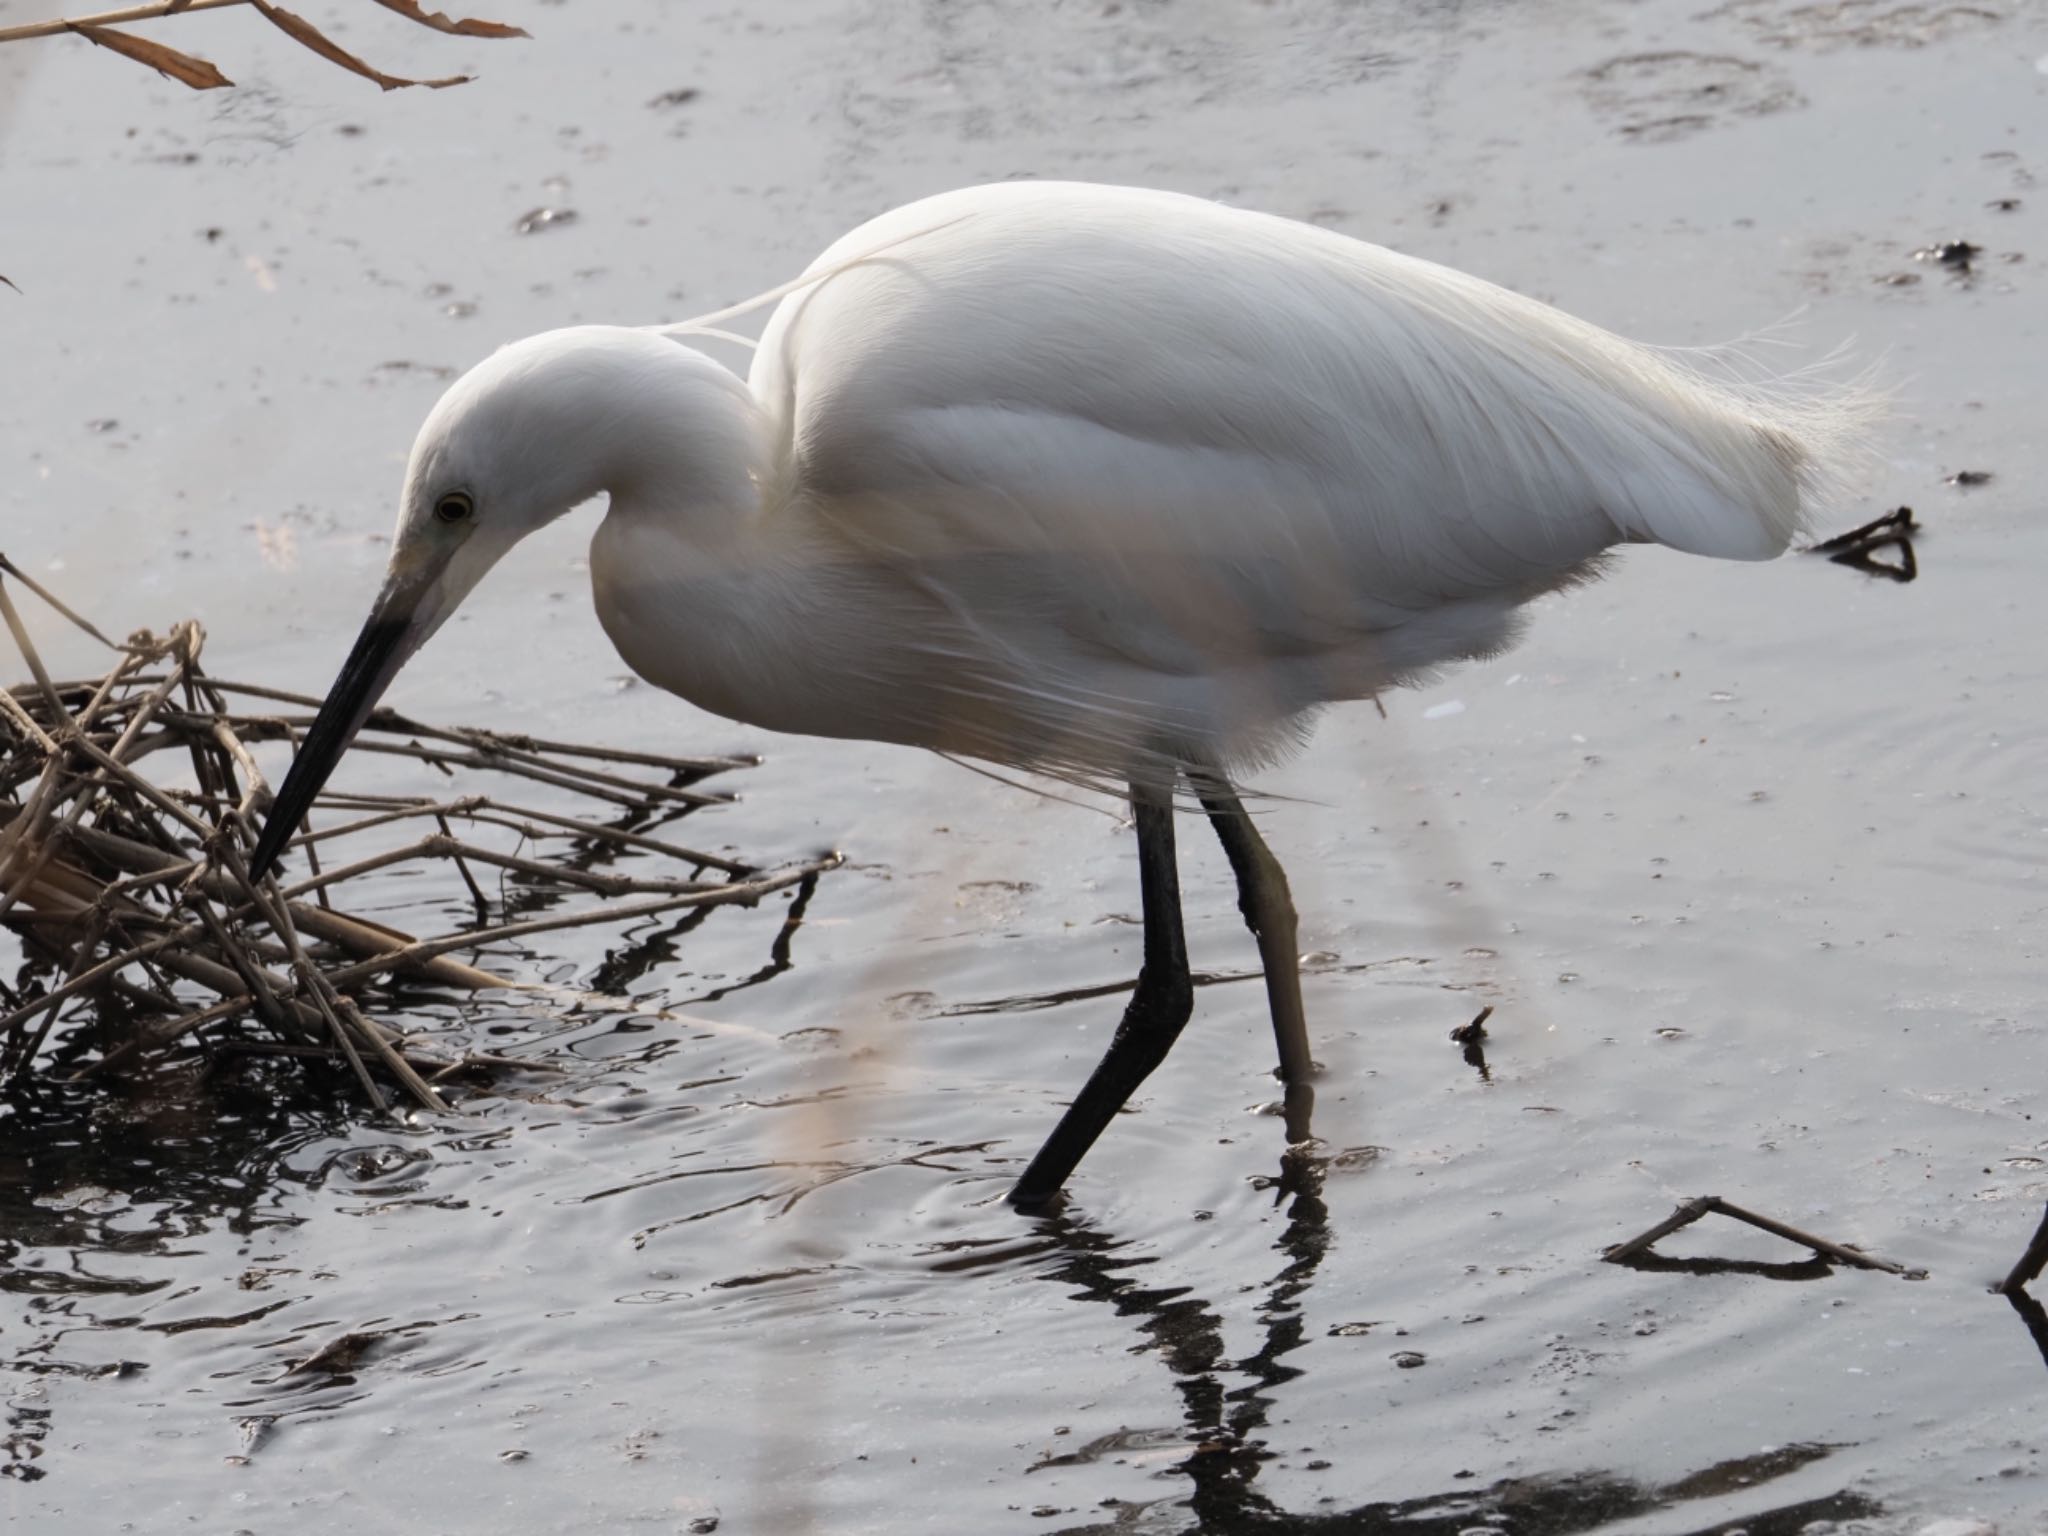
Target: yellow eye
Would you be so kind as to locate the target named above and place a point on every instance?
(455, 507)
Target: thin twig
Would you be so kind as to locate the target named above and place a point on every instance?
(447, 846)
(27, 647)
(744, 892)
(388, 719)
(630, 793)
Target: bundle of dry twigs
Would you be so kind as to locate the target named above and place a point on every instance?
(127, 810)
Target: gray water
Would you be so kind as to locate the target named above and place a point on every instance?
(1747, 859)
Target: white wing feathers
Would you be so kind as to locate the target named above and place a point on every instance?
(1143, 372)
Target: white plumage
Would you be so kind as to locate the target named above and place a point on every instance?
(1067, 476)
(1116, 484)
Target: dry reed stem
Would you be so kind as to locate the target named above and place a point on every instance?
(448, 846)
(486, 752)
(472, 807)
(28, 652)
(25, 722)
(58, 27)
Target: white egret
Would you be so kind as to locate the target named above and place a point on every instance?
(1113, 484)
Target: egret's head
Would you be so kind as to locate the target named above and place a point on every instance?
(532, 430)
(535, 428)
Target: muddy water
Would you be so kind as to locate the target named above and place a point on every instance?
(1748, 860)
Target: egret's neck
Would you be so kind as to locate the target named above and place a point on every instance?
(681, 442)
(701, 576)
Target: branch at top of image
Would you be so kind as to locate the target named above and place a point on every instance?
(203, 75)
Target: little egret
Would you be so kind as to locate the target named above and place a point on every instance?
(1111, 484)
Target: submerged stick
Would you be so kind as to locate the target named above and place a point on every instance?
(1690, 1211)
(2030, 1264)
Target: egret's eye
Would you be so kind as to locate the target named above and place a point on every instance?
(455, 507)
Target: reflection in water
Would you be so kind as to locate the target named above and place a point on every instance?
(96, 1177)
(521, 897)
(1813, 1267)
(2034, 1316)
(1221, 1425)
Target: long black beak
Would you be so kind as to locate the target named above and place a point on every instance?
(380, 650)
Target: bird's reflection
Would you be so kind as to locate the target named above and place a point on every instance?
(1222, 1426)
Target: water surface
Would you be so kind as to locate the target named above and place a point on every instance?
(1748, 860)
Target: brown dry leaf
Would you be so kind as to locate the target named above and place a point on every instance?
(439, 21)
(302, 31)
(182, 67)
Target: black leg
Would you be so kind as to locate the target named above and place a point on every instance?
(1152, 1021)
(1268, 908)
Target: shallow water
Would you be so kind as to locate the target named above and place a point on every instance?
(1748, 860)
